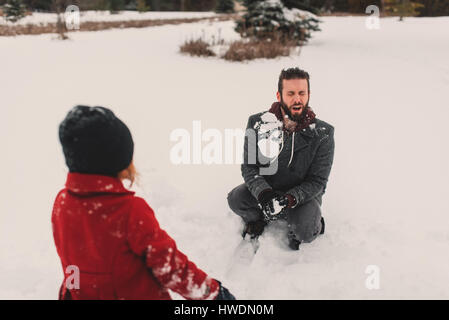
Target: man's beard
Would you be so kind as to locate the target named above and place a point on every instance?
(296, 117)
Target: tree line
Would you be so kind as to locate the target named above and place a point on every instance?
(424, 8)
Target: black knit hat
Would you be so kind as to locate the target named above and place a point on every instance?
(95, 141)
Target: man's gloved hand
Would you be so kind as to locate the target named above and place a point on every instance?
(223, 293)
(287, 201)
(273, 203)
(268, 211)
(266, 198)
(269, 206)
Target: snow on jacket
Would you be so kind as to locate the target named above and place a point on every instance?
(304, 158)
(115, 240)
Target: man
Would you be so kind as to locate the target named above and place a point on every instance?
(286, 180)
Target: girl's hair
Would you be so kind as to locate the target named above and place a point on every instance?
(129, 173)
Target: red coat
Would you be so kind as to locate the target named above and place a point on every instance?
(115, 240)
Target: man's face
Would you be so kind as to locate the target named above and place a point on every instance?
(295, 97)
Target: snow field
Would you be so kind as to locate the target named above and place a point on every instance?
(386, 204)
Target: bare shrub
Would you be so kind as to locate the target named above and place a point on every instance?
(256, 49)
(197, 47)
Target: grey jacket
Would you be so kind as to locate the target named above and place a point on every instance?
(303, 165)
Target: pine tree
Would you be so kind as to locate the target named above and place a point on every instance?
(248, 3)
(433, 8)
(142, 6)
(402, 8)
(14, 10)
(306, 5)
(270, 18)
(225, 6)
(116, 5)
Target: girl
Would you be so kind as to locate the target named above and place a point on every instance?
(107, 233)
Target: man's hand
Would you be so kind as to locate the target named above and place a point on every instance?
(266, 196)
(274, 203)
(269, 204)
(266, 202)
(287, 201)
(268, 211)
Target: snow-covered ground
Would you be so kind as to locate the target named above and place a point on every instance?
(385, 91)
(85, 16)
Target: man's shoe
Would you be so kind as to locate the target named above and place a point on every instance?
(254, 228)
(322, 225)
(293, 243)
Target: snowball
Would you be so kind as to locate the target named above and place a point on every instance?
(268, 117)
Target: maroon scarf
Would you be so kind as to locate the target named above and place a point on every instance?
(306, 119)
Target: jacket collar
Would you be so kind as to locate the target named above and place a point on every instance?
(81, 183)
(309, 131)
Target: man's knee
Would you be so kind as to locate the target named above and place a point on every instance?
(239, 198)
(305, 221)
(233, 198)
(242, 202)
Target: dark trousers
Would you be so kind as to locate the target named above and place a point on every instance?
(304, 221)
